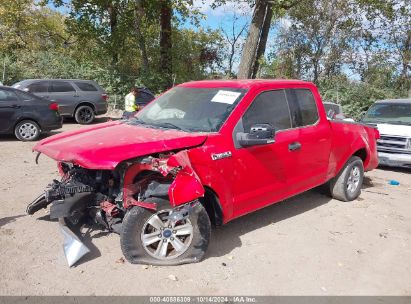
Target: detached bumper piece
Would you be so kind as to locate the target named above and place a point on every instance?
(39, 203)
(74, 249)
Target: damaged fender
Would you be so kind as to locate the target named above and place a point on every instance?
(185, 187)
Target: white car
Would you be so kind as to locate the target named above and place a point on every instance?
(393, 120)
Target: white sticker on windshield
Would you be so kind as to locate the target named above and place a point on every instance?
(225, 97)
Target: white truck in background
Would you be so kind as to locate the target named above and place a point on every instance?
(393, 120)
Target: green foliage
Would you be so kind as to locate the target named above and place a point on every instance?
(99, 42)
(355, 96)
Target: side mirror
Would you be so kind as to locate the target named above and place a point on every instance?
(260, 134)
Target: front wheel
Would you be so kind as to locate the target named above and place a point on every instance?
(150, 238)
(346, 186)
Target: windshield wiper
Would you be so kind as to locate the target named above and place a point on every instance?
(136, 121)
(169, 125)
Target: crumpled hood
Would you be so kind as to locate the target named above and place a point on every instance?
(105, 145)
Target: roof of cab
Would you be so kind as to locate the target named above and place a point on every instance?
(242, 83)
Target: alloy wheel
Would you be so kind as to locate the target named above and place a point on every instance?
(165, 239)
(353, 179)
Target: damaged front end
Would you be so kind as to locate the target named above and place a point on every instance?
(103, 197)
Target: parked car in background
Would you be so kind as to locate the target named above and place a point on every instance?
(203, 152)
(393, 120)
(81, 99)
(333, 110)
(26, 115)
(144, 96)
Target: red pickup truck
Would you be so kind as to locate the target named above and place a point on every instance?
(204, 152)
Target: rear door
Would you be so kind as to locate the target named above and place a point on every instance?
(64, 93)
(10, 108)
(312, 144)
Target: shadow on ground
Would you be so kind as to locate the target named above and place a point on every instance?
(226, 238)
(9, 219)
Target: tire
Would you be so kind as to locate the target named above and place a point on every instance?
(27, 130)
(84, 115)
(136, 225)
(346, 186)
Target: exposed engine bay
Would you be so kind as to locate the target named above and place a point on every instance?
(102, 197)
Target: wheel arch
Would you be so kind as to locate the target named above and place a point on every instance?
(26, 118)
(84, 103)
(361, 153)
(211, 204)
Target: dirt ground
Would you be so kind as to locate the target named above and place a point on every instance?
(307, 245)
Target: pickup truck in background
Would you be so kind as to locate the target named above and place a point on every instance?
(393, 120)
(204, 152)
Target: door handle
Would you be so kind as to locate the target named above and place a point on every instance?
(294, 146)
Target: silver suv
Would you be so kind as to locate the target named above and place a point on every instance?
(81, 99)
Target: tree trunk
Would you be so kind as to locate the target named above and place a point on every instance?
(112, 11)
(166, 43)
(138, 16)
(251, 44)
(263, 39)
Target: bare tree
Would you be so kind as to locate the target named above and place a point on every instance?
(232, 37)
(251, 44)
(258, 33)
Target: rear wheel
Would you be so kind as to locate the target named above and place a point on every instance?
(150, 238)
(27, 130)
(84, 115)
(346, 186)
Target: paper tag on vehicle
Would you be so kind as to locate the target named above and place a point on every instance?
(225, 97)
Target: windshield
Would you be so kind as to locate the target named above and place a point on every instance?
(394, 113)
(191, 109)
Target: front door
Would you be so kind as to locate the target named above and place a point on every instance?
(261, 173)
(10, 108)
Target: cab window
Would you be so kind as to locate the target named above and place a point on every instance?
(303, 107)
(269, 107)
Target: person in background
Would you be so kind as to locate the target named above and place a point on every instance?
(131, 107)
